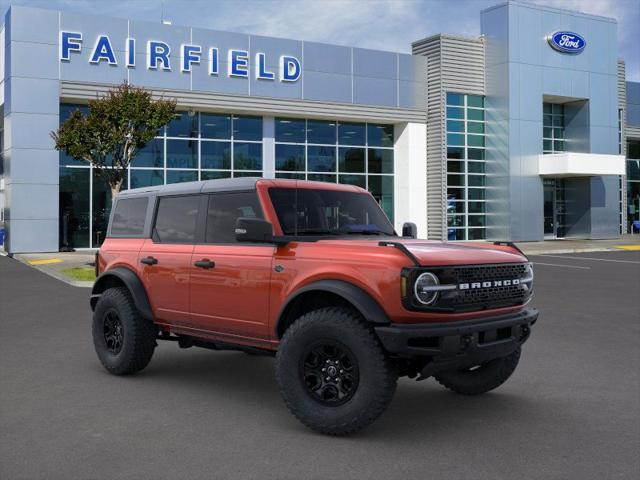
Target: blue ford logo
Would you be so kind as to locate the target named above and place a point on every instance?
(567, 42)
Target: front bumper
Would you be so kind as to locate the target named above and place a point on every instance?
(453, 345)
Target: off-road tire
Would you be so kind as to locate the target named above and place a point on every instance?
(484, 378)
(376, 375)
(138, 334)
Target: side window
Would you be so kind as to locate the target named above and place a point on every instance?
(129, 216)
(224, 210)
(176, 219)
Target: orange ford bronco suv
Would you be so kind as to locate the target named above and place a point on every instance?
(314, 274)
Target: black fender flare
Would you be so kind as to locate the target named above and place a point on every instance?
(356, 296)
(133, 284)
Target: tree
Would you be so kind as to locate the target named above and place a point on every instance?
(117, 126)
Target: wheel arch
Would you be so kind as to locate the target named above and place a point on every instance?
(123, 277)
(329, 293)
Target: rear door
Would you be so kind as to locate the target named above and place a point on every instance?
(164, 260)
(230, 281)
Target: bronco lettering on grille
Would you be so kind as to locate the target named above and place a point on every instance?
(490, 284)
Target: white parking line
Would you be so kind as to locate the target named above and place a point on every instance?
(591, 258)
(558, 265)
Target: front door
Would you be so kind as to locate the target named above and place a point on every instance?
(549, 208)
(165, 259)
(554, 208)
(230, 281)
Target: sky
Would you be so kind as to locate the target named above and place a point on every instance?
(378, 24)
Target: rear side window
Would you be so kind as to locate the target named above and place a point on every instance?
(129, 216)
(224, 209)
(176, 219)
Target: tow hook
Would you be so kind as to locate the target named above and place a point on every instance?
(524, 333)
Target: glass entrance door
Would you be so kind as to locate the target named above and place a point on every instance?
(549, 208)
(555, 208)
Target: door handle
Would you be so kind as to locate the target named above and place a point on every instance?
(149, 261)
(205, 263)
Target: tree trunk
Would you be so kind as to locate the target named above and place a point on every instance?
(115, 189)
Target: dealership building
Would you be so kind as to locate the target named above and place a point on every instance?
(527, 132)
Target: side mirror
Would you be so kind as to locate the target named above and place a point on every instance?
(409, 230)
(253, 230)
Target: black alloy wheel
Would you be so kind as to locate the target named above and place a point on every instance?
(113, 335)
(330, 372)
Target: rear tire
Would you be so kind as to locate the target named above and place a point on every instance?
(123, 340)
(482, 378)
(357, 382)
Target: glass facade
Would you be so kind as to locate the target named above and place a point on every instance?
(345, 152)
(633, 182)
(204, 146)
(194, 146)
(466, 173)
(552, 128)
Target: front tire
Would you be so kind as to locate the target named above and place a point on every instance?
(123, 340)
(332, 372)
(482, 378)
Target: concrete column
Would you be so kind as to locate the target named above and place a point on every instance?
(31, 112)
(268, 147)
(410, 180)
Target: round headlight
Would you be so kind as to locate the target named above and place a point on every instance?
(423, 288)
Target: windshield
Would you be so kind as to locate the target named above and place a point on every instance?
(328, 212)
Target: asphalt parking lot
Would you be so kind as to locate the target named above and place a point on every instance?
(571, 410)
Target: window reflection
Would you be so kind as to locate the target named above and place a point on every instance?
(351, 133)
(247, 156)
(215, 155)
(74, 207)
(101, 207)
(182, 154)
(215, 126)
(247, 128)
(184, 124)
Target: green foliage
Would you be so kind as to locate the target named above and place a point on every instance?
(84, 274)
(117, 126)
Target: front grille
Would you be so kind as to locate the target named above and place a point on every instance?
(481, 273)
(492, 295)
(485, 297)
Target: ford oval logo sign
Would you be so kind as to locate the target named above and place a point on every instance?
(567, 42)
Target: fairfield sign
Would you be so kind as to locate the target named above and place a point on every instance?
(159, 56)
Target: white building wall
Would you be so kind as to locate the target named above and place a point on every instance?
(410, 180)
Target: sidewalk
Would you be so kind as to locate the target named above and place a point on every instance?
(59, 265)
(626, 242)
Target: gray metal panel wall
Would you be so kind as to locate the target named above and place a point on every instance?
(633, 103)
(632, 109)
(454, 64)
(622, 104)
(31, 173)
(76, 91)
(622, 87)
(521, 69)
(329, 73)
(462, 64)
(632, 132)
(436, 174)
